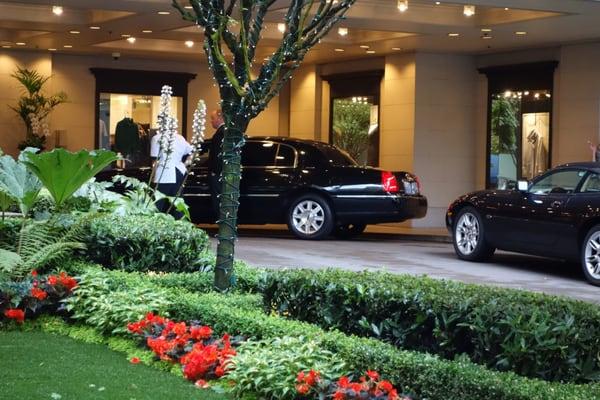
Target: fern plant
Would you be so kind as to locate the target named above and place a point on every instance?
(38, 245)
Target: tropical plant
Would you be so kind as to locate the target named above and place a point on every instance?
(351, 121)
(18, 183)
(504, 127)
(34, 107)
(63, 172)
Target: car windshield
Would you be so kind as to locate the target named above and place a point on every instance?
(337, 157)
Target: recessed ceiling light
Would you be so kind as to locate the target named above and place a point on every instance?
(51, 49)
(453, 34)
(338, 50)
(131, 40)
(125, 36)
(342, 31)
(57, 10)
(506, 8)
(281, 27)
(94, 28)
(520, 33)
(437, 3)
(469, 11)
(164, 13)
(370, 51)
(6, 46)
(147, 31)
(396, 48)
(402, 5)
(364, 46)
(188, 7)
(68, 46)
(74, 32)
(486, 29)
(20, 43)
(486, 36)
(189, 43)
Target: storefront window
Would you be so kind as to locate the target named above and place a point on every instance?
(127, 123)
(355, 127)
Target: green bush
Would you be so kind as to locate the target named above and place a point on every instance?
(109, 304)
(146, 243)
(9, 230)
(269, 368)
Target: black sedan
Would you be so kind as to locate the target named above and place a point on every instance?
(556, 215)
(313, 187)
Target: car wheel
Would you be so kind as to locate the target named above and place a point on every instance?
(310, 217)
(590, 256)
(347, 231)
(468, 236)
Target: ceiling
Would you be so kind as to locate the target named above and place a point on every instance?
(97, 27)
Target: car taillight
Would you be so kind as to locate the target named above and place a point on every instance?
(389, 182)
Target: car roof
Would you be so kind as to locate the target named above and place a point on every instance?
(595, 166)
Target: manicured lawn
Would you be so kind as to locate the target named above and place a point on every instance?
(38, 365)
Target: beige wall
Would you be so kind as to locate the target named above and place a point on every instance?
(305, 103)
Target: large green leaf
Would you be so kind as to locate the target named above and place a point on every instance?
(17, 182)
(63, 172)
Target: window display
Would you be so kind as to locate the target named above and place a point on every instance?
(355, 128)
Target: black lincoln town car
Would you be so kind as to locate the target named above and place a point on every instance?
(556, 215)
(313, 187)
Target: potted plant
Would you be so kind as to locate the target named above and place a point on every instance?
(34, 106)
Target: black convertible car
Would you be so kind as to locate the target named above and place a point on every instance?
(556, 215)
(313, 187)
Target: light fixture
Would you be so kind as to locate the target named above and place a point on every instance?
(396, 48)
(437, 3)
(147, 31)
(281, 27)
(486, 29)
(506, 8)
(402, 5)
(486, 36)
(6, 46)
(469, 11)
(370, 51)
(342, 31)
(188, 7)
(548, 95)
(507, 94)
(73, 32)
(189, 43)
(57, 10)
(338, 50)
(520, 33)
(364, 46)
(164, 13)
(454, 34)
(68, 46)
(537, 95)
(20, 43)
(95, 28)
(131, 40)
(52, 49)
(125, 36)
(526, 93)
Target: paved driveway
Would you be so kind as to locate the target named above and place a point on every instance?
(276, 249)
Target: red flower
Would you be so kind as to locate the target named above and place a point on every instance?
(312, 378)
(343, 382)
(201, 383)
(68, 282)
(134, 360)
(385, 386)
(300, 377)
(219, 371)
(52, 280)
(373, 375)
(201, 332)
(38, 293)
(339, 395)
(180, 329)
(34, 273)
(303, 388)
(16, 314)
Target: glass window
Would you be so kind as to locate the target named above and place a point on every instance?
(519, 136)
(558, 182)
(286, 156)
(336, 156)
(355, 128)
(259, 154)
(591, 184)
(128, 122)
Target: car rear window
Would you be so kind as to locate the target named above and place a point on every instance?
(336, 157)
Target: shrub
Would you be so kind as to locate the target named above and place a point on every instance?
(268, 368)
(532, 334)
(146, 243)
(9, 230)
(108, 304)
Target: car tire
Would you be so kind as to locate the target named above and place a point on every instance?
(590, 256)
(310, 217)
(348, 231)
(468, 236)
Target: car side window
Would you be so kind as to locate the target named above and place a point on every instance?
(259, 154)
(591, 184)
(286, 156)
(565, 181)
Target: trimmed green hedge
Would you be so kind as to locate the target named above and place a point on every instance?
(146, 243)
(531, 334)
(429, 376)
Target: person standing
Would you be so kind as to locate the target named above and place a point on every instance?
(170, 168)
(595, 151)
(215, 158)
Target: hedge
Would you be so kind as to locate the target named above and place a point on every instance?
(430, 376)
(534, 335)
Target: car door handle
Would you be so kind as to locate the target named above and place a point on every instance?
(556, 204)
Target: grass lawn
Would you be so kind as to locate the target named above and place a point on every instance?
(38, 365)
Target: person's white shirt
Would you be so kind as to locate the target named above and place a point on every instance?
(166, 171)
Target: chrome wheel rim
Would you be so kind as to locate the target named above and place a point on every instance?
(592, 255)
(467, 233)
(308, 217)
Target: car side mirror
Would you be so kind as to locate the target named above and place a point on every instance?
(523, 186)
